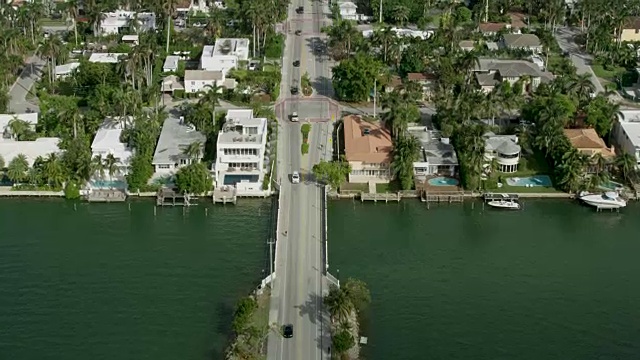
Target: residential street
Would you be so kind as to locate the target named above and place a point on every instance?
(299, 285)
(18, 92)
(581, 60)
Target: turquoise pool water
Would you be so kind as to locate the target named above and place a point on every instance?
(530, 181)
(443, 181)
(108, 184)
(611, 185)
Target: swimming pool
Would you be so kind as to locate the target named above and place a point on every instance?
(443, 181)
(108, 184)
(530, 181)
(611, 185)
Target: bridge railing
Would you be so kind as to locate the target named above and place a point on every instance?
(324, 228)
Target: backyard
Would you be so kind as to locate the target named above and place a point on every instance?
(529, 166)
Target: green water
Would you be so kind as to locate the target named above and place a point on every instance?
(554, 281)
(105, 283)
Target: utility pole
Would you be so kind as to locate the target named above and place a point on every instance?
(486, 11)
(271, 242)
(380, 20)
(375, 95)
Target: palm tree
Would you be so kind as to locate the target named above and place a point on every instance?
(571, 169)
(338, 303)
(384, 38)
(193, 151)
(111, 165)
(17, 169)
(404, 154)
(210, 99)
(582, 87)
(97, 166)
(169, 8)
(53, 172)
(51, 48)
(72, 7)
(626, 165)
(19, 128)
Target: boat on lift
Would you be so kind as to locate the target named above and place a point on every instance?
(607, 200)
(506, 202)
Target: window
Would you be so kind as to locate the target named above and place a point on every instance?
(164, 167)
(184, 161)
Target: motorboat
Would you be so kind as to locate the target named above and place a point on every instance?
(505, 203)
(607, 200)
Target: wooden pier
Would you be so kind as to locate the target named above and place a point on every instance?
(386, 197)
(494, 197)
(225, 195)
(442, 197)
(170, 197)
(107, 195)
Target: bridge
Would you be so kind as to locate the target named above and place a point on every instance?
(300, 278)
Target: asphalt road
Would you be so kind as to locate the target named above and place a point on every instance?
(299, 285)
(18, 92)
(565, 36)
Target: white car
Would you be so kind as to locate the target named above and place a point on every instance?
(295, 177)
(252, 66)
(294, 117)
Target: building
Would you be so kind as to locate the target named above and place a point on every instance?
(348, 10)
(428, 82)
(437, 156)
(63, 71)
(108, 142)
(197, 80)
(175, 137)
(171, 63)
(171, 83)
(10, 149)
(504, 149)
(631, 29)
(110, 58)
(5, 120)
(131, 39)
(224, 55)
(240, 152)
(467, 45)
(113, 22)
(527, 42)
(368, 149)
(492, 72)
(493, 29)
(589, 143)
(626, 132)
(406, 33)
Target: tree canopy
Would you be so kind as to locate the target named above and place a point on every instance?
(194, 179)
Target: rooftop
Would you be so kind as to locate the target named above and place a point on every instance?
(629, 116)
(107, 141)
(130, 37)
(632, 22)
(9, 149)
(105, 57)
(227, 46)
(31, 118)
(175, 136)
(121, 18)
(171, 62)
(203, 75)
(366, 142)
(66, 68)
(434, 149)
(490, 27)
(587, 141)
(513, 68)
(503, 144)
(521, 40)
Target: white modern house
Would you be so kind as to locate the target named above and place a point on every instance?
(504, 149)
(240, 152)
(107, 142)
(63, 71)
(171, 63)
(5, 119)
(224, 55)
(437, 155)
(108, 58)
(175, 137)
(348, 10)
(11, 148)
(198, 80)
(626, 133)
(112, 22)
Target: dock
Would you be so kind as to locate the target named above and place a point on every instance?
(224, 195)
(442, 197)
(107, 195)
(494, 197)
(170, 197)
(375, 197)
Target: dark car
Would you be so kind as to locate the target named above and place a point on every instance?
(298, 32)
(294, 90)
(300, 9)
(296, 63)
(287, 331)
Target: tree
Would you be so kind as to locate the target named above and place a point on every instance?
(20, 129)
(52, 171)
(353, 78)
(17, 169)
(209, 100)
(194, 179)
(243, 313)
(626, 165)
(338, 303)
(97, 166)
(342, 341)
(334, 172)
(404, 154)
(111, 165)
(358, 292)
(193, 151)
(601, 113)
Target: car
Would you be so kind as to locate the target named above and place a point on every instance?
(253, 66)
(294, 116)
(287, 331)
(294, 90)
(298, 32)
(295, 179)
(300, 9)
(296, 63)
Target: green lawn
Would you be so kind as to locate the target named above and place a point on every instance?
(530, 165)
(391, 187)
(354, 187)
(610, 75)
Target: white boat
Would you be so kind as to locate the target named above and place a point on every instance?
(505, 203)
(607, 200)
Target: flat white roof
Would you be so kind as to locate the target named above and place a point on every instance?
(9, 149)
(228, 47)
(630, 124)
(112, 58)
(171, 62)
(107, 141)
(130, 37)
(66, 69)
(121, 18)
(31, 118)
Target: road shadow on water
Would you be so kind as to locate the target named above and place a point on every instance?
(221, 321)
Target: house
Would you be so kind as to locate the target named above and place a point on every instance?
(626, 133)
(5, 120)
(63, 71)
(631, 29)
(404, 33)
(589, 143)
(368, 148)
(197, 80)
(224, 55)
(348, 10)
(131, 39)
(504, 149)
(9, 149)
(528, 42)
(113, 22)
(175, 137)
(171, 63)
(467, 45)
(108, 142)
(110, 58)
(428, 82)
(240, 152)
(171, 83)
(395, 82)
(437, 156)
(492, 72)
(492, 29)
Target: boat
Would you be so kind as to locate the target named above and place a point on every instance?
(607, 200)
(505, 203)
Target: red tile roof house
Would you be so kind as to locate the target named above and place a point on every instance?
(428, 82)
(368, 148)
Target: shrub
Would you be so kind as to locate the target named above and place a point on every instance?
(71, 191)
(305, 148)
